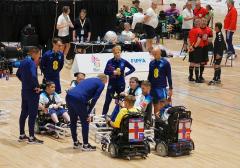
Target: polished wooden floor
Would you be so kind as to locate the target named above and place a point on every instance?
(216, 127)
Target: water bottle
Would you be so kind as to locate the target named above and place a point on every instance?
(98, 40)
(81, 39)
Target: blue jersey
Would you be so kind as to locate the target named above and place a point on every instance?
(120, 65)
(88, 89)
(159, 73)
(27, 74)
(52, 63)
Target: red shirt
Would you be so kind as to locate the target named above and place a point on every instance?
(206, 33)
(200, 13)
(194, 34)
(230, 21)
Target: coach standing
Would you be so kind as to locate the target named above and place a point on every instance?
(230, 25)
(150, 24)
(89, 90)
(27, 74)
(115, 69)
(52, 63)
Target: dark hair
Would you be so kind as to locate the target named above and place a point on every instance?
(49, 83)
(209, 6)
(130, 99)
(33, 49)
(146, 83)
(218, 25)
(140, 10)
(135, 79)
(77, 73)
(56, 40)
(65, 9)
(83, 10)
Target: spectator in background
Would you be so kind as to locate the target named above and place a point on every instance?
(187, 24)
(199, 11)
(172, 10)
(209, 15)
(150, 24)
(126, 12)
(130, 36)
(137, 18)
(134, 9)
(82, 27)
(63, 24)
(230, 25)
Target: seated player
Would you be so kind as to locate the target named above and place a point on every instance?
(144, 103)
(128, 107)
(79, 77)
(219, 47)
(51, 103)
(134, 90)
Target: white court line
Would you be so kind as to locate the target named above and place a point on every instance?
(183, 72)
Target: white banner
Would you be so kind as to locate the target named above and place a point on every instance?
(95, 63)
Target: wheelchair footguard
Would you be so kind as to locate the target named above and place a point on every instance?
(100, 132)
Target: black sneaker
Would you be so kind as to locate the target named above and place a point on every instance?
(218, 81)
(23, 138)
(34, 140)
(198, 81)
(212, 82)
(88, 147)
(191, 79)
(77, 145)
(201, 78)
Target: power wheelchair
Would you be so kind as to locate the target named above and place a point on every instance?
(128, 140)
(172, 136)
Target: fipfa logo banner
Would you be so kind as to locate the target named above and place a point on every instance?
(95, 63)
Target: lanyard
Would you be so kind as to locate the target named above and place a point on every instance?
(82, 23)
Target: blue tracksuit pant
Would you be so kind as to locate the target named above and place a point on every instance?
(111, 90)
(78, 108)
(30, 102)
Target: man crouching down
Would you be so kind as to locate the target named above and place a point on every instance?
(77, 99)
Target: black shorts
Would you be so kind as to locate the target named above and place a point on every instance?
(185, 35)
(204, 56)
(150, 31)
(65, 39)
(196, 55)
(217, 61)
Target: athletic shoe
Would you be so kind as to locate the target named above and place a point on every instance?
(218, 81)
(34, 140)
(198, 81)
(88, 147)
(23, 138)
(212, 82)
(77, 145)
(201, 78)
(191, 79)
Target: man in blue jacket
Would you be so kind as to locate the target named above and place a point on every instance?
(115, 69)
(52, 63)
(27, 74)
(159, 75)
(77, 100)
